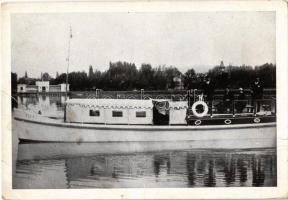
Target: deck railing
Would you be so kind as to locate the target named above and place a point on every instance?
(174, 95)
(238, 107)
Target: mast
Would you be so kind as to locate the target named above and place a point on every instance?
(68, 60)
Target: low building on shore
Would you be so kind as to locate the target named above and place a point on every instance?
(42, 86)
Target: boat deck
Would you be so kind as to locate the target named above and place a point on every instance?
(231, 119)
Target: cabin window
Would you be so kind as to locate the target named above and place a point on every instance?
(140, 113)
(117, 114)
(94, 113)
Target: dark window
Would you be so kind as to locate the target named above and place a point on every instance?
(117, 114)
(94, 113)
(140, 114)
(21, 88)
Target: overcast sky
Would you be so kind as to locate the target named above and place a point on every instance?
(184, 40)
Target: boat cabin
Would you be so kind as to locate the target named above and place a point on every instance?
(126, 111)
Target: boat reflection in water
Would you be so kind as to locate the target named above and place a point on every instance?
(61, 168)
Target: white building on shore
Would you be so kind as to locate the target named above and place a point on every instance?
(42, 86)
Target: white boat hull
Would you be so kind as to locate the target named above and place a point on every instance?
(218, 136)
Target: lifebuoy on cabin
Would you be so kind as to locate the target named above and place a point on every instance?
(205, 109)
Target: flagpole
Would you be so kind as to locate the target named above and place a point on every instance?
(68, 60)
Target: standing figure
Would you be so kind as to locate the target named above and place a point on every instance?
(189, 98)
(241, 103)
(208, 92)
(257, 94)
(228, 100)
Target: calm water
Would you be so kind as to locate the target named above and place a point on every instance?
(94, 166)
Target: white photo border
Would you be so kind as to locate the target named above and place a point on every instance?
(280, 8)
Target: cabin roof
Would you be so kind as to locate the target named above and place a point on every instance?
(124, 103)
(112, 103)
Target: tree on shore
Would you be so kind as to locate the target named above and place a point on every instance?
(120, 76)
(90, 74)
(145, 76)
(126, 76)
(46, 77)
(243, 76)
(190, 79)
(171, 73)
(267, 74)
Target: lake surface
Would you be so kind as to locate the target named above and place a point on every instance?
(55, 165)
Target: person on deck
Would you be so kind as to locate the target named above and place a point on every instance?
(208, 92)
(189, 97)
(241, 103)
(257, 94)
(228, 100)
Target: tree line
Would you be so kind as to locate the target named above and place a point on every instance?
(126, 76)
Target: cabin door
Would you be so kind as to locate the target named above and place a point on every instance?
(160, 113)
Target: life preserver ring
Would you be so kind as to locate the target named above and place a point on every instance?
(197, 122)
(227, 121)
(205, 109)
(256, 120)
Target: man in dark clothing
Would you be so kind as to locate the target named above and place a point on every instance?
(228, 100)
(257, 94)
(189, 98)
(241, 103)
(208, 92)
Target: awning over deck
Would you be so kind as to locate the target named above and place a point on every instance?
(111, 103)
(124, 111)
(177, 112)
(177, 105)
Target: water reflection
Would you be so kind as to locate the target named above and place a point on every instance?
(161, 165)
(44, 102)
(258, 174)
(167, 169)
(191, 173)
(242, 167)
(49, 105)
(210, 177)
(229, 170)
